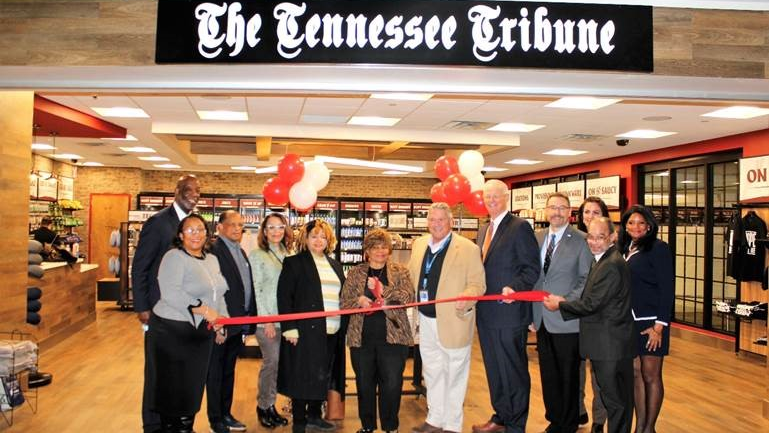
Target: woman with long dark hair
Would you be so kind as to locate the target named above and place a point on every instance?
(651, 269)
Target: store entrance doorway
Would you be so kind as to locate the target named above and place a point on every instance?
(693, 200)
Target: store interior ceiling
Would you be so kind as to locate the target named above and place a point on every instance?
(308, 110)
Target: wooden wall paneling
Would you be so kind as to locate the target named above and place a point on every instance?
(15, 141)
(106, 212)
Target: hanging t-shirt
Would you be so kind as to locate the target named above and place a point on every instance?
(754, 256)
(734, 246)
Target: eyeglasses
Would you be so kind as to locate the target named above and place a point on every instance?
(276, 227)
(194, 230)
(559, 208)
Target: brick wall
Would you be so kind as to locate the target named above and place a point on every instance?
(133, 181)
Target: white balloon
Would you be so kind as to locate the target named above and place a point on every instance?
(316, 174)
(476, 182)
(470, 163)
(302, 195)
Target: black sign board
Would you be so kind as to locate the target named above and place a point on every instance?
(417, 32)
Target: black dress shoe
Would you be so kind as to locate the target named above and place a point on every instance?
(233, 424)
(219, 427)
(597, 428)
(583, 419)
(365, 430)
(319, 424)
(265, 418)
(276, 418)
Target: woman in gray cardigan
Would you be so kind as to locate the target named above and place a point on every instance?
(178, 340)
(274, 240)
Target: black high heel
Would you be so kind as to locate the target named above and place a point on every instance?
(276, 418)
(265, 418)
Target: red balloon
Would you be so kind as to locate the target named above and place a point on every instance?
(456, 188)
(436, 193)
(474, 204)
(275, 191)
(290, 168)
(445, 166)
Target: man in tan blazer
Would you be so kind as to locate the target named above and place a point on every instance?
(445, 265)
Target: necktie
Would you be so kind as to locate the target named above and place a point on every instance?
(487, 240)
(549, 254)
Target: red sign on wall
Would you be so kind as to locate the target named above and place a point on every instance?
(326, 205)
(400, 207)
(205, 202)
(421, 207)
(352, 205)
(153, 201)
(251, 203)
(226, 203)
(376, 207)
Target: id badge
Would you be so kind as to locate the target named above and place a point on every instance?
(423, 297)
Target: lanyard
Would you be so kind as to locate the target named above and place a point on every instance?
(429, 261)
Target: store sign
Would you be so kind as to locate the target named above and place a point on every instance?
(352, 205)
(400, 207)
(251, 204)
(435, 32)
(376, 207)
(540, 194)
(66, 188)
(151, 201)
(226, 203)
(205, 202)
(605, 188)
(168, 200)
(574, 190)
(754, 178)
(421, 207)
(521, 198)
(326, 205)
(47, 188)
(33, 186)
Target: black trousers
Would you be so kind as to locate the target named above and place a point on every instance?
(559, 371)
(150, 419)
(616, 381)
(507, 372)
(221, 377)
(379, 367)
(302, 409)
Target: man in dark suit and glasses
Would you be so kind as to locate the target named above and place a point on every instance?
(511, 259)
(240, 302)
(155, 239)
(606, 333)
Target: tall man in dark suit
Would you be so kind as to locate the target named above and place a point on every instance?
(240, 302)
(155, 239)
(511, 260)
(566, 262)
(606, 324)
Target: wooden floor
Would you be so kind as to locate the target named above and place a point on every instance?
(98, 381)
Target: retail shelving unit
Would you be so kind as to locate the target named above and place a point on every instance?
(129, 239)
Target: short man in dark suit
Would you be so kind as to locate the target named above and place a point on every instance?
(511, 260)
(566, 262)
(155, 239)
(606, 324)
(240, 302)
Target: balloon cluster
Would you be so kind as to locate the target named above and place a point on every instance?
(297, 182)
(461, 181)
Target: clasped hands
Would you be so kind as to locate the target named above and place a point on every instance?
(551, 302)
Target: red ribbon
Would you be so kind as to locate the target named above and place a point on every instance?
(530, 296)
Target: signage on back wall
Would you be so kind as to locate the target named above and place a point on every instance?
(435, 32)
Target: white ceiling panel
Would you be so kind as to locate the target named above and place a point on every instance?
(212, 103)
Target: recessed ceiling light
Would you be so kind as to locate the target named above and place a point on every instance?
(270, 169)
(394, 172)
(519, 161)
(66, 156)
(312, 118)
(120, 112)
(42, 146)
(373, 121)
(243, 167)
(92, 164)
(128, 137)
(565, 152)
(690, 181)
(644, 133)
(138, 149)
(402, 96)
(738, 112)
(662, 174)
(222, 115)
(167, 166)
(515, 127)
(582, 102)
(369, 164)
(154, 158)
(492, 169)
